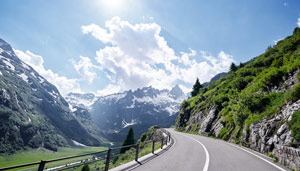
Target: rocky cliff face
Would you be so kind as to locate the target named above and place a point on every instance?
(256, 106)
(32, 112)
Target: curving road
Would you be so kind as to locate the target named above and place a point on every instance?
(193, 152)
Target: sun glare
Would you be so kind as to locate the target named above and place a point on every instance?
(113, 5)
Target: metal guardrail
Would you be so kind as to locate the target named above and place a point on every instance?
(42, 163)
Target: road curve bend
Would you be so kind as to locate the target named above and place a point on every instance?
(193, 152)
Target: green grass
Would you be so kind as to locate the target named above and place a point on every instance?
(130, 154)
(42, 154)
(273, 156)
(295, 126)
(248, 95)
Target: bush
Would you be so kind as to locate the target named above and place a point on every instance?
(143, 137)
(85, 168)
(295, 93)
(298, 76)
(241, 82)
(294, 124)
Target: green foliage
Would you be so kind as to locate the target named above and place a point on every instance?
(298, 76)
(184, 104)
(196, 88)
(273, 156)
(85, 168)
(248, 93)
(233, 67)
(241, 82)
(145, 149)
(295, 125)
(129, 140)
(22, 157)
(295, 93)
(143, 137)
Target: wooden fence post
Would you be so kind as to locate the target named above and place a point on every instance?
(137, 152)
(162, 143)
(42, 165)
(107, 159)
(153, 144)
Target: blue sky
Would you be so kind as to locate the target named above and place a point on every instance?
(106, 46)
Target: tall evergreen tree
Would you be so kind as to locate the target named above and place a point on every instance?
(196, 88)
(233, 67)
(129, 140)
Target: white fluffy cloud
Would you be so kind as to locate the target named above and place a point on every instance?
(64, 84)
(83, 68)
(298, 23)
(137, 56)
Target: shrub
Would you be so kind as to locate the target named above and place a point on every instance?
(294, 124)
(143, 137)
(295, 93)
(85, 168)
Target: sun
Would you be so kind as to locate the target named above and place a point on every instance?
(113, 5)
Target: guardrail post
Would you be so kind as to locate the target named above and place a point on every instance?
(169, 137)
(166, 140)
(153, 144)
(137, 152)
(107, 159)
(162, 143)
(42, 165)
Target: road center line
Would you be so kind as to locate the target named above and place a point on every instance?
(258, 157)
(206, 153)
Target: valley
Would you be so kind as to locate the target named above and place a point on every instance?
(149, 85)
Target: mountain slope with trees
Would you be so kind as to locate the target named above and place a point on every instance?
(255, 105)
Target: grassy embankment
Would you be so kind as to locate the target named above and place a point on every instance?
(42, 154)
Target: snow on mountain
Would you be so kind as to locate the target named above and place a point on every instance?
(142, 108)
(81, 100)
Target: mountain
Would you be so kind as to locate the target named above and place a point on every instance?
(256, 106)
(116, 113)
(215, 78)
(33, 114)
(81, 100)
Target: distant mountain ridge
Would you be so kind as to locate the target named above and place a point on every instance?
(81, 100)
(33, 113)
(215, 78)
(139, 109)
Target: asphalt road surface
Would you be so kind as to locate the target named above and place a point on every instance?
(193, 152)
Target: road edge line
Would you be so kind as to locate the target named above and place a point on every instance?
(206, 153)
(265, 160)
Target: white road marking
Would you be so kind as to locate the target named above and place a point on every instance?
(206, 153)
(258, 157)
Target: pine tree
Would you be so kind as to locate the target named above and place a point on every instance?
(129, 140)
(233, 67)
(196, 88)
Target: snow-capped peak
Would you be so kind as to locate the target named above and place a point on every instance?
(81, 100)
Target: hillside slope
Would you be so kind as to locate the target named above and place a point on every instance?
(256, 106)
(33, 113)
